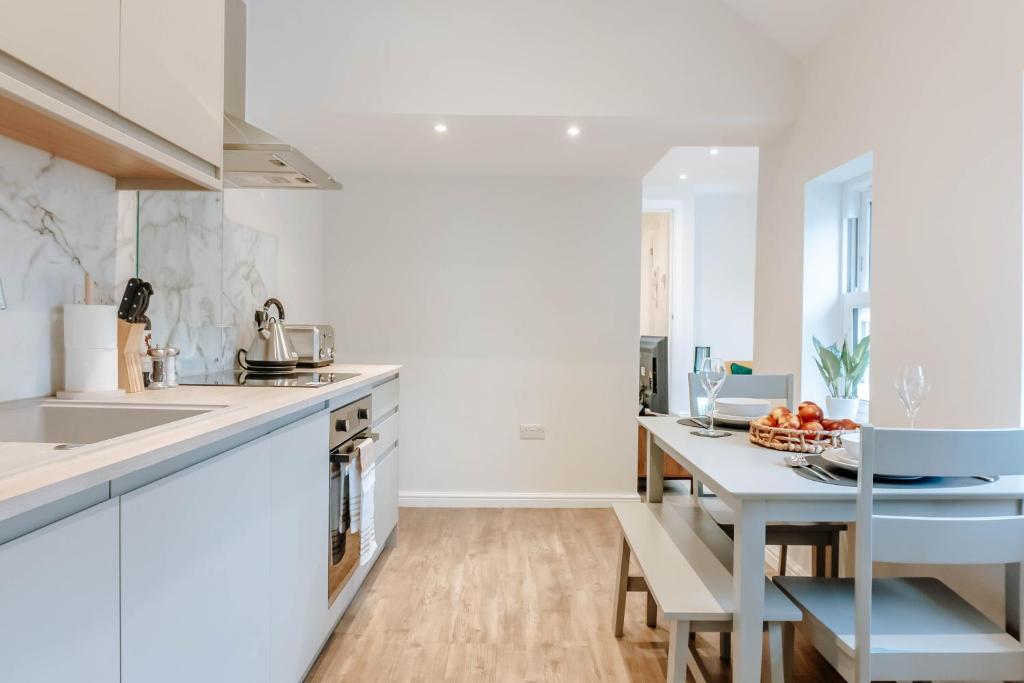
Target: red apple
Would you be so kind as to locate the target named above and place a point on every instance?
(813, 427)
(809, 411)
(789, 421)
(779, 413)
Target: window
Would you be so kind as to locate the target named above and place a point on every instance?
(857, 215)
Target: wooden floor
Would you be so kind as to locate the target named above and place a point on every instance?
(505, 595)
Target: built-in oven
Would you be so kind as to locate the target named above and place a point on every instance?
(349, 425)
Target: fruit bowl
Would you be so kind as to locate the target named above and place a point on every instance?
(806, 431)
(795, 440)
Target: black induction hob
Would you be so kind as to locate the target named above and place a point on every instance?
(247, 378)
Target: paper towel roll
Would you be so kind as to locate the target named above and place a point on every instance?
(90, 327)
(90, 369)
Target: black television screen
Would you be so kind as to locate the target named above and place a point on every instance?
(654, 374)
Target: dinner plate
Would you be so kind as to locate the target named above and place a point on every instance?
(743, 407)
(737, 420)
(841, 459)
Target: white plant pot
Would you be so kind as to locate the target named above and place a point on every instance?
(842, 408)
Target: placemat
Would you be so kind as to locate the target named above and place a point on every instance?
(690, 422)
(847, 478)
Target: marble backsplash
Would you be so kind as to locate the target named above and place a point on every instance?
(59, 220)
(209, 273)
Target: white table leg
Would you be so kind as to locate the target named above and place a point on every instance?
(748, 592)
(655, 471)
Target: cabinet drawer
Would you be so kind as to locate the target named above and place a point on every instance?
(388, 430)
(385, 399)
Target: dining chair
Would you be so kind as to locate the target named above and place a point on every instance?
(772, 387)
(822, 537)
(918, 628)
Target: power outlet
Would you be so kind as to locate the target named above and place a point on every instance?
(529, 432)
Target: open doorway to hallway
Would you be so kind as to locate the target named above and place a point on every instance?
(698, 234)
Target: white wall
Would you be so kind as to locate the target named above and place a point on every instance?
(822, 307)
(936, 95)
(507, 301)
(935, 91)
(298, 220)
(725, 229)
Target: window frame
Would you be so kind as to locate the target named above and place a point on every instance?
(857, 212)
(857, 208)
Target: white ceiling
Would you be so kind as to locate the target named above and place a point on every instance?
(732, 171)
(610, 147)
(358, 86)
(797, 25)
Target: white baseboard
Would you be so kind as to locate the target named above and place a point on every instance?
(481, 499)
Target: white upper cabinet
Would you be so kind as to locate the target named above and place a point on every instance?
(130, 88)
(172, 71)
(72, 41)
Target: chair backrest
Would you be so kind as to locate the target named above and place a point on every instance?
(929, 539)
(777, 387)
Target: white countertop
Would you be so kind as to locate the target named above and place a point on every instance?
(63, 473)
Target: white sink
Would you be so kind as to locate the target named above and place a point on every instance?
(71, 424)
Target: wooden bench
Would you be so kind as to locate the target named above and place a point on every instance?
(686, 560)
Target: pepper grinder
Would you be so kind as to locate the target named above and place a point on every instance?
(165, 371)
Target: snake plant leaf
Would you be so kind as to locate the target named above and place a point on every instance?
(842, 367)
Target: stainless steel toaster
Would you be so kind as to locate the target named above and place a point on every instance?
(313, 343)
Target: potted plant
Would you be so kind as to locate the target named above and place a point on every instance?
(842, 369)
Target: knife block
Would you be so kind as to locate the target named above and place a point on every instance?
(129, 361)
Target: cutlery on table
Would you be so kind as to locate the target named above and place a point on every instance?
(797, 460)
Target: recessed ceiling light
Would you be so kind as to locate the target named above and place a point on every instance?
(573, 131)
(682, 176)
(713, 152)
(440, 128)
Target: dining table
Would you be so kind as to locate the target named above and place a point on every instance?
(759, 488)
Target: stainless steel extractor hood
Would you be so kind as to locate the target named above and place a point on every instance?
(253, 158)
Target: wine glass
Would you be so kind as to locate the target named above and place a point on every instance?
(712, 376)
(912, 389)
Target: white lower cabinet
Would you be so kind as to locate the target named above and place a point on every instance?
(194, 575)
(215, 573)
(224, 565)
(298, 547)
(59, 601)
